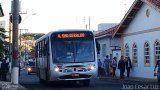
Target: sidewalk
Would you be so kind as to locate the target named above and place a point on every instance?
(130, 80)
(8, 86)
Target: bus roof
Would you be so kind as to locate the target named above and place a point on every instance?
(61, 30)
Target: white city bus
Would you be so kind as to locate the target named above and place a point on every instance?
(66, 55)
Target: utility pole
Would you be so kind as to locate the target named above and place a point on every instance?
(15, 48)
(89, 23)
(10, 46)
(10, 39)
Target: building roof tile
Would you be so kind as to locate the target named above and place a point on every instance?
(135, 7)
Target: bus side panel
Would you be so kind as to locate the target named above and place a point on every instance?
(96, 60)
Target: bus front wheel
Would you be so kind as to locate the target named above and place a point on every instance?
(41, 80)
(86, 82)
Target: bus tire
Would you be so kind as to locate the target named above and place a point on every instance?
(86, 82)
(41, 80)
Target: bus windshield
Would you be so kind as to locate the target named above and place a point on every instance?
(72, 51)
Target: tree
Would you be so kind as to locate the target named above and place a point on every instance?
(27, 42)
(2, 42)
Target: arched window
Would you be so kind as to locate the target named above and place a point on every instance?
(157, 51)
(126, 50)
(135, 55)
(146, 54)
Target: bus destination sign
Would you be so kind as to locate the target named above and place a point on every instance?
(71, 35)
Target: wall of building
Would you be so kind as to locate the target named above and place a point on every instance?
(140, 40)
(104, 41)
(143, 29)
(108, 41)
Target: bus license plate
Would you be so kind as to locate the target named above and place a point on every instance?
(75, 74)
(69, 70)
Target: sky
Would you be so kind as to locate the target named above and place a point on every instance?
(48, 15)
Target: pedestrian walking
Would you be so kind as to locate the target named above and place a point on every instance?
(106, 65)
(121, 67)
(158, 71)
(114, 66)
(4, 70)
(128, 65)
(99, 67)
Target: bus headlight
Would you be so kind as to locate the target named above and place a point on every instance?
(56, 69)
(91, 67)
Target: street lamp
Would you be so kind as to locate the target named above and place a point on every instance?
(22, 22)
(10, 35)
(28, 17)
(25, 32)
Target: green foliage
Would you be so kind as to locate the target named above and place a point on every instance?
(3, 36)
(27, 37)
(1, 46)
(31, 36)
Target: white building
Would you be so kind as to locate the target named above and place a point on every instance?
(140, 30)
(138, 37)
(108, 45)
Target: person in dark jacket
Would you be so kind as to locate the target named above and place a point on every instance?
(128, 65)
(158, 70)
(4, 69)
(121, 67)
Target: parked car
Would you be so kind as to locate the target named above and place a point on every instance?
(31, 67)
